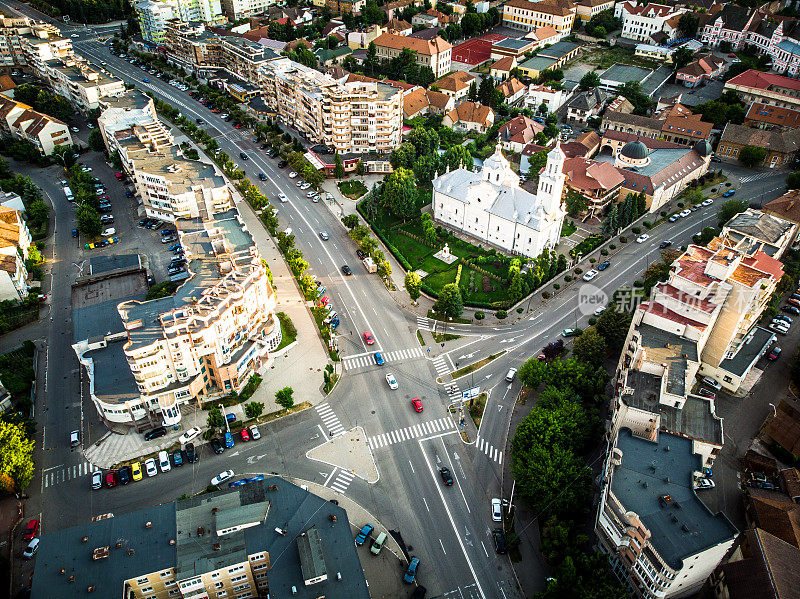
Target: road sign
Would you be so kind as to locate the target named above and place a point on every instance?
(470, 393)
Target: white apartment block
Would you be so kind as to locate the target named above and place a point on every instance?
(80, 82)
(240, 9)
(640, 22)
(15, 241)
(154, 14)
(552, 98)
(355, 117)
(21, 121)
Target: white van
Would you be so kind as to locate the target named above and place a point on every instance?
(510, 374)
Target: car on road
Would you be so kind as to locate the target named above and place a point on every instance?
(292, 175)
(163, 461)
(245, 435)
(243, 156)
(255, 433)
(497, 510)
(416, 403)
(447, 478)
(136, 471)
(304, 185)
(217, 445)
(664, 245)
(74, 232)
(155, 433)
(146, 80)
(311, 194)
(111, 479)
(378, 359)
(347, 270)
(31, 549)
(590, 275)
(360, 254)
(411, 572)
(189, 435)
(673, 218)
(323, 235)
(499, 541)
(109, 232)
(570, 333)
(282, 197)
(368, 338)
(30, 530)
(222, 477)
(262, 176)
(774, 353)
(363, 534)
(177, 458)
(642, 238)
(150, 467)
(603, 265)
(707, 202)
(728, 193)
(391, 381)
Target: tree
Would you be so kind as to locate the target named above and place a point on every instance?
(338, 168)
(66, 154)
(371, 63)
(600, 32)
(730, 209)
(486, 91)
(96, 140)
(253, 409)
(612, 326)
(400, 193)
(688, 24)
(590, 347)
(682, 57)
(413, 285)
(632, 91)
(215, 419)
(589, 80)
(751, 156)
(450, 301)
(285, 398)
(793, 180)
(89, 221)
(536, 163)
(472, 94)
(350, 221)
(532, 372)
(575, 202)
(16, 457)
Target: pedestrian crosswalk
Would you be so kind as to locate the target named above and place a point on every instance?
(342, 481)
(61, 474)
(424, 324)
(491, 452)
(755, 177)
(329, 419)
(441, 365)
(392, 356)
(431, 427)
(453, 392)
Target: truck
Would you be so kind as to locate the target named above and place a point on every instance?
(369, 264)
(68, 194)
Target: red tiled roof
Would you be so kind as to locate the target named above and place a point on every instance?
(658, 309)
(684, 297)
(773, 115)
(763, 81)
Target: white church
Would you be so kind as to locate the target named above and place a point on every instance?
(491, 206)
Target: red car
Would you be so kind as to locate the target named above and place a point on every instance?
(417, 404)
(245, 435)
(31, 530)
(111, 479)
(368, 338)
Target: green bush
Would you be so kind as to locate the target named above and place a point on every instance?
(638, 283)
(647, 224)
(592, 260)
(604, 252)
(613, 246)
(579, 271)
(623, 239)
(479, 315)
(636, 230)
(501, 314)
(556, 286)
(546, 294)
(520, 310)
(680, 204)
(663, 213)
(567, 279)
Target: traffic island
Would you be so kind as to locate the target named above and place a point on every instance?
(348, 451)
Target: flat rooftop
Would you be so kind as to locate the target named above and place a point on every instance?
(751, 349)
(650, 471)
(621, 73)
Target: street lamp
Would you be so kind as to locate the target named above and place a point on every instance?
(774, 411)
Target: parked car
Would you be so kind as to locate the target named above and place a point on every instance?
(673, 218)
(136, 471)
(155, 433)
(150, 467)
(177, 458)
(497, 510)
(603, 265)
(499, 541)
(570, 333)
(411, 572)
(590, 275)
(791, 309)
(774, 353)
(364, 533)
(728, 193)
(222, 477)
(642, 238)
(228, 440)
(31, 549)
(97, 480)
(378, 543)
(705, 483)
(31, 529)
(163, 461)
(254, 432)
(245, 434)
(111, 479)
(217, 445)
(189, 435)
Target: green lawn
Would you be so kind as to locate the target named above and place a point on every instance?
(352, 189)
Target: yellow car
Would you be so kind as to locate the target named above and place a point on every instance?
(136, 468)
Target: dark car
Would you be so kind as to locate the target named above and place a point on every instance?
(177, 458)
(361, 255)
(242, 155)
(155, 433)
(346, 270)
(217, 445)
(791, 309)
(447, 478)
(124, 475)
(499, 540)
(129, 194)
(262, 176)
(282, 164)
(775, 353)
(191, 454)
(419, 592)
(264, 146)
(664, 244)
(74, 232)
(603, 265)
(144, 222)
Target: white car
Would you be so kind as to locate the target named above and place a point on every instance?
(74, 129)
(74, 35)
(392, 381)
(315, 198)
(292, 175)
(590, 275)
(685, 213)
(311, 194)
(189, 435)
(109, 232)
(707, 202)
(497, 510)
(305, 185)
(163, 461)
(642, 238)
(282, 197)
(31, 549)
(254, 432)
(222, 477)
(600, 310)
(150, 467)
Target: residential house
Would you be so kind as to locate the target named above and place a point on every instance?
(586, 9)
(767, 88)
(586, 105)
(552, 99)
(21, 121)
(766, 116)
(15, 243)
(598, 181)
(786, 207)
(682, 126)
(585, 145)
(784, 430)
(421, 102)
(702, 68)
(655, 52)
(469, 116)
(456, 84)
(543, 36)
(728, 24)
(620, 104)
(512, 47)
(501, 70)
(242, 9)
(335, 56)
(527, 15)
(346, 7)
(434, 53)
(641, 126)
(518, 133)
(781, 146)
(513, 90)
(642, 21)
(399, 27)
(535, 66)
(361, 38)
(425, 20)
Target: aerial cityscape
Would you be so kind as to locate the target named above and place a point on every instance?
(399, 299)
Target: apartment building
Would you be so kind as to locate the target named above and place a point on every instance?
(433, 53)
(219, 545)
(15, 242)
(527, 16)
(347, 117)
(241, 9)
(80, 82)
(23, 122)
(586, 9)
(767, 88)
(643, 21)
(154, 15)
(132, 116)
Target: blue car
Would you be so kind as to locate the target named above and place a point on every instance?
(237, 483)
(363, 534)
(175, 246)
(146, 80)
(728, 193)
(228, 440)
(411, 573)
(230, 417)
(378, 359)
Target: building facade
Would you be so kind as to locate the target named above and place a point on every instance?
(434, 53)
(642, 21)
(527, 16)
(21, 121)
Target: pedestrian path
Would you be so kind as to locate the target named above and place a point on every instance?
(342, 481)
(755, 177)
(491, 452)
(61, 474)
(399, 435)
(329, 419)
(453, 393)
(441, 365)
(424, 324)
(392, 356)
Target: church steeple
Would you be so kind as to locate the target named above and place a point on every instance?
(551, 182)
